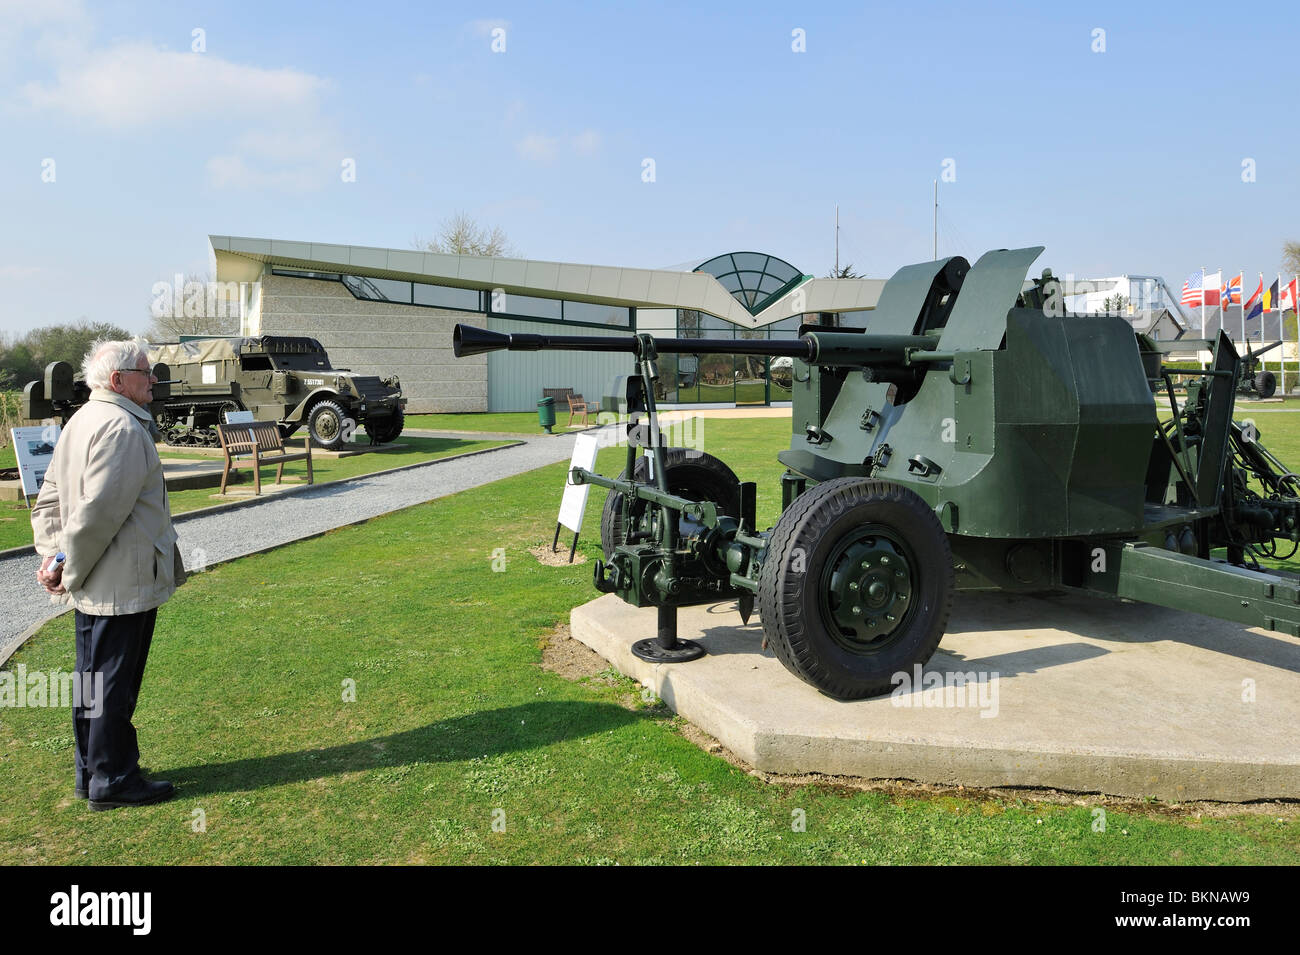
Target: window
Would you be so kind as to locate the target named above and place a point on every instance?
(441, 296)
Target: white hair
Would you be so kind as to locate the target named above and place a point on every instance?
(106, 357)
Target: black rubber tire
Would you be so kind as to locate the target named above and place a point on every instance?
(325, 424)
(790, 597)
(385, 429)
(691, 474)
(1265, 384)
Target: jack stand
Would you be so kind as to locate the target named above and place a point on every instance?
(666, 648)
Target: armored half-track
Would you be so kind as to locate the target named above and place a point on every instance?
(283, 379)
(974, 437)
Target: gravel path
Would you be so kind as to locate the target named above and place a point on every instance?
(278, 520)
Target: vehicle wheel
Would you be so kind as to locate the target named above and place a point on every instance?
(690, 474)
(325, 424)
(385, 429)
(1266, 384)
(856, 586)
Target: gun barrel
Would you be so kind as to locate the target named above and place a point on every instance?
(841, 349)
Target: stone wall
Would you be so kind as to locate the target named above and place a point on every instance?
(379, 338)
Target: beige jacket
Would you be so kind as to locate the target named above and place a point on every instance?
(104, 504)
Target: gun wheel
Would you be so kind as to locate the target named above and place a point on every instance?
(856, 586)
(690, 474)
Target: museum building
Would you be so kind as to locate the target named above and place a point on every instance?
(392, 311)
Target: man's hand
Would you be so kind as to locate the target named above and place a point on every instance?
(51, 580)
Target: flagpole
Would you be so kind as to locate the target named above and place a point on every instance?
(1202, 300)
(1243, 305)
(1281, 331)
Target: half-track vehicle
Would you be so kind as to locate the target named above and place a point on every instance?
(283, 379)
(975, 437)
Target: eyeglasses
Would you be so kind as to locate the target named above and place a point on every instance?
(138, 370)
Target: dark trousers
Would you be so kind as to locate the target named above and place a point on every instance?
(108, 757)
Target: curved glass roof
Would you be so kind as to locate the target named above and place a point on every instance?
(754, 279)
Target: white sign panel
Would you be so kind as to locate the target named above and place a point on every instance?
(239, 417)
(34, 447)
(574, 504)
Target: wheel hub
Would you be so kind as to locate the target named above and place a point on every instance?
(868, 589)
(327, 426)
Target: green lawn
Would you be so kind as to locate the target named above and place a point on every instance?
(15, 519)
(455, 726)
(506, 422)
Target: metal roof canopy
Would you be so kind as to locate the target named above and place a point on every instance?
(595, 284)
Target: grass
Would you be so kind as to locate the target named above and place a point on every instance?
(15, 519)
(506, 422)
(455, 726)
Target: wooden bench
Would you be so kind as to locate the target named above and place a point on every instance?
(577, 404)
(263, 441)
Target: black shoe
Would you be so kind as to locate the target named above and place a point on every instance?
(142, 794)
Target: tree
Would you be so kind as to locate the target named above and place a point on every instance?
(202, 306)
(24, 359)
(461, 235)
(844, 272)
(1291, 258)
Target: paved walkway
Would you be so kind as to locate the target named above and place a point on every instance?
(226, 534)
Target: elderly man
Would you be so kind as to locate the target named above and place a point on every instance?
(103, 505)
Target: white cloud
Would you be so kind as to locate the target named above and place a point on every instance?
(538, 147)
(485, 27)
(586, 142)
(52, 29)
(268, 126)
(20, 271)
(134, 85)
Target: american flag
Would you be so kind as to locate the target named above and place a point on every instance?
(1192, 293)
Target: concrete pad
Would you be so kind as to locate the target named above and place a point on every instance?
(1080, 694)
(294, 445)
(247, 490)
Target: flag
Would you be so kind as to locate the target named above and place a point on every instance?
(1192, 289)
(1211, 285)
(1230, 294)
(1270, 297)
(1254, 307)
(1287, 298)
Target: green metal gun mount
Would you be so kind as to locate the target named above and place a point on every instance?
(976, 437)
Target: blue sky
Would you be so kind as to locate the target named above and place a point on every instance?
(1127, 160)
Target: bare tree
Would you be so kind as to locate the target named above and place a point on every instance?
(202, 306)
(1291, 258)
(461, 235)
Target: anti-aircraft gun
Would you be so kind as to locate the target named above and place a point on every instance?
(977, 438)
(1255, 383)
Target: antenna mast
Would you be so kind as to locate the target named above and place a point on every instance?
(936, 220)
